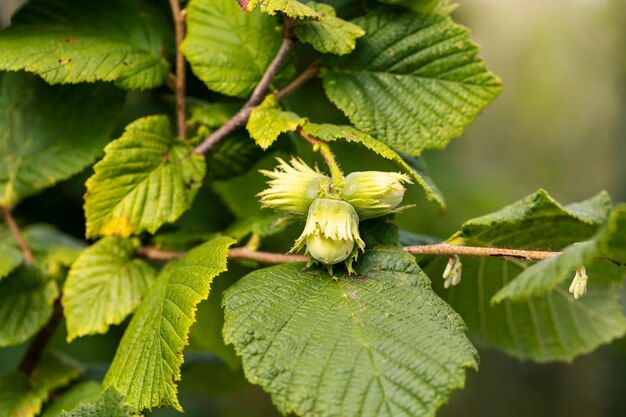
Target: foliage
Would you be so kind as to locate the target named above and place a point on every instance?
(174, 189)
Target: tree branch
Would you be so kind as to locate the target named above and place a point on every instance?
(38, 345)
(312, 71)
(179, 83)
(445, 249)
(17, 234)
(435, 249)
(244, 113)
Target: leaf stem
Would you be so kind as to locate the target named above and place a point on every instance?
(436, 249)
(311, 71)
(244, 113)
(17, 234)
(179, 83)
(329, 157)
(38, 345)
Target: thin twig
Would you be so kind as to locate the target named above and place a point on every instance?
(38, 345)
(435, 249)
(244, 113)
(312, 71)
(327, 154)
(445, 249)
(179, 83)
(264, 257)
(17, 234)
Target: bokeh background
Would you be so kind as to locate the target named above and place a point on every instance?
(560, 124)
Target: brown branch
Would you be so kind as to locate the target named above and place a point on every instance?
(17, 234)
(312, 71)
(38, 345)
(244, 113)
(445, 249)
(436, 249)
(179, 82)
(265, 257)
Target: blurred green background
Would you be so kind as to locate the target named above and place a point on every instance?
(559, 124)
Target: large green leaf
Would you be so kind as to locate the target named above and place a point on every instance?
(414, 166)
(147, 178)
(26, 299)
(10, 255)
(22, 396)
(267, 121)
(329, 34)
(380, 343)
(291, 8)
(70, 41)
(227, 49)
(147, 363)
(110, 404)
(49, 133)
(538, 279)
(414, 81)
(544, 328)
(104, 286)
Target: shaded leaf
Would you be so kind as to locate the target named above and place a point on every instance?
(48, 134)
(329, 34)
(84, 392)
(227, 49)
(21, 396)
(380, 343)
(414, 81)
(10, 255)
(147, 362)
(26, 299)
(267, 121)
(53, 249)
(70, 41)
(550, 327)
(146, 178)
(414, 166)
(104, 286)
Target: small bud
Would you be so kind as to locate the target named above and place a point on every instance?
(452, 273)
(374, 193)
(579, 284)
(331, 233)
(293, 187)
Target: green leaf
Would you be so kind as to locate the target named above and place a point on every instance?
(147, 363)
(291, 8)
(414, 81)
(110, 404)
(381, 343)
(104, 286)
(48, 134)
(262, 225)
(10, 255)
(53, 249)
(267, 121)
(544, 328)
(26, 299)
(146, 178)
(70, 41)
(21, 396)
(84, 392)
(227, 49)
(542, 277)
(329, 34)
(414, 166)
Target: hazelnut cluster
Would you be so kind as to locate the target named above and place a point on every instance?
(333, 211)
